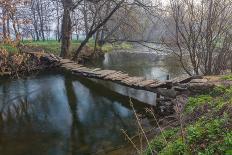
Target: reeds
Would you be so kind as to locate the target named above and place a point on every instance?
(15, 111)
(178, 119)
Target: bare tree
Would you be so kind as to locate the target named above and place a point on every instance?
(201, 34)
(97, 24)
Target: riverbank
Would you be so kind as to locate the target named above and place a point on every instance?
(89, 53)
(15, 65)
(30, 56)
(203, 125)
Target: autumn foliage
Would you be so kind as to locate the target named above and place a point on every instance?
(9, 18)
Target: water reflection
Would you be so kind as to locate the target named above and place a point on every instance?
(64, 115)
(146, 64)
(59, 114)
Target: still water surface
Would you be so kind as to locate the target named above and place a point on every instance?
(59, 114)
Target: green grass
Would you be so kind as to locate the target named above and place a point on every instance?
(9, 48)
(227, 77)
(209, 133)
(53, 46)
(197, 101)
(111, 47)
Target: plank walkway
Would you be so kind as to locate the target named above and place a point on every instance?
(120, 77)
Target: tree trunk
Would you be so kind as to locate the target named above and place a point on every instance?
(66, 32)
(58, 21)
(85, 18)
(35, 26)
(4, 27)
(17, 36)
(8, 27)
(40, 13)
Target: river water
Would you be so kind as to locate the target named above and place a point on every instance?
(54, 113)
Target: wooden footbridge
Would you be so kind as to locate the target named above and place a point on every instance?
(121, 78)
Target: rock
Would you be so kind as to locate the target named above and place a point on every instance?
(165, 108)
(180, 88)
(170, 93)
(200, 87)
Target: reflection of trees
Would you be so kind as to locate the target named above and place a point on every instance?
(102, 119)
(14, 103)
(107, 114)
(77, 132)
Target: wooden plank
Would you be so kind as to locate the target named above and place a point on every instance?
(118, 76)
(66, 61)
(146, 83)
(96, 69)
(71, 65)
(81, 69)
(132, 80)
(157, 85)
(182, 79)
(104, 73)
(111, 76)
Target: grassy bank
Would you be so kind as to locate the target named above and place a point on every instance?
(52, 46)
(207, 126)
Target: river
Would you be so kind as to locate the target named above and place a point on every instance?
(56, 113)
